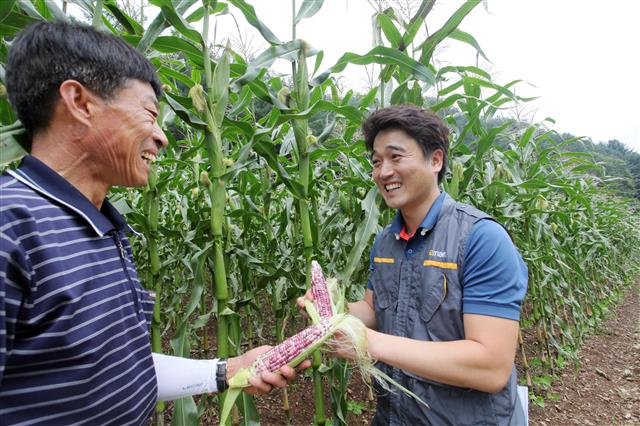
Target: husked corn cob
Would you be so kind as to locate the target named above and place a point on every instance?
(292, 348)
(320, 291)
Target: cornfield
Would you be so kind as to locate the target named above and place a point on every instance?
(264, 173)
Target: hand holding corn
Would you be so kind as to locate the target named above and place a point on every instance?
(267, 379)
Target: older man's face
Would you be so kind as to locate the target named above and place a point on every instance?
(125, 135)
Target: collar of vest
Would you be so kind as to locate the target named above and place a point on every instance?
(428, 222)
(42, 179)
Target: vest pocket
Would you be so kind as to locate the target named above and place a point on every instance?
(385, 285)
(432, 297)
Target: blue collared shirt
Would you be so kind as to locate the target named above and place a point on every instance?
(74, 319)
(494, 276)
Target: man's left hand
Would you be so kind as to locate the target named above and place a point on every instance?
(267, 381)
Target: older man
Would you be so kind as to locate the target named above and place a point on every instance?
(74, 319)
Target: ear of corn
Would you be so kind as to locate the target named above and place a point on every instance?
(293, 350)
(320, 291)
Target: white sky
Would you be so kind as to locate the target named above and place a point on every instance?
(581, 57)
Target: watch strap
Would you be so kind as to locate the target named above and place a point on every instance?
(221, 375)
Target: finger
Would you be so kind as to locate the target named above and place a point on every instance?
(274, 379)
(304, 364)
(260, 386)
(288, 373)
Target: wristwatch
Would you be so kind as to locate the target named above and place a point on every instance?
(221, 375)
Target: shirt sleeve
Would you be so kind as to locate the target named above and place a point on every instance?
(14, 278)
(181, 377)
(494, 274)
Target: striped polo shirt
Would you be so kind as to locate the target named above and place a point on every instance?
(74, 319)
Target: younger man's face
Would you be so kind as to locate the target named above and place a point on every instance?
(405, 178)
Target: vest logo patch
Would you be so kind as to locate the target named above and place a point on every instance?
(436, 253)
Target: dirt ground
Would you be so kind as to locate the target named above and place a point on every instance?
(605, 390)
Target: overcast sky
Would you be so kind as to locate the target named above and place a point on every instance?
(581, 57)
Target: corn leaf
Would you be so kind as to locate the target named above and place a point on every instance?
(179, 105)
(129, 24)
(350, 112)
(249, 411)
(416, 23)
(10, 149)
(366, 228)
(185, 412)
(380, 55)
(389, 29)
(220, 9)
(465, 37)
(250, 14)
(5, 8)
(287, 51)
(429, 45)
(27, 7)
(308, 8)
(169, 74)
(181, 25)
(15, 22)
(160, 23)
(220, 83)
(266, 149)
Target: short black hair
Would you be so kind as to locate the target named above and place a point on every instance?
(426, 127)
(46, 54)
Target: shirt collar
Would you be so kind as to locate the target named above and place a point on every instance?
(37, 175)
(428, 222)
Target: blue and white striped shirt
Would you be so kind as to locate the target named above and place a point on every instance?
(74, 319)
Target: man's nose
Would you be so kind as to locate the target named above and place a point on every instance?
(159, 137)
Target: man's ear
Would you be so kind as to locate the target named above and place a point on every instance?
(437, 160)
(77, 100)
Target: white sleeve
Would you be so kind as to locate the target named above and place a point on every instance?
(180, 377)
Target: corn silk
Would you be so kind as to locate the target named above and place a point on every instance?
(331, 327)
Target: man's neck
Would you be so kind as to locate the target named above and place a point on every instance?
(66, 159)
(413, 216)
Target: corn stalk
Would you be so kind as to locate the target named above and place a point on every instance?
(217, 86)
(300, 102)
(151, 208)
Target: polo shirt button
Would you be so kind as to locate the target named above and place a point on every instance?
(410, 251)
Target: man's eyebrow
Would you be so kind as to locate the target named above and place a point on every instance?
(397, 148)
(153, 100)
